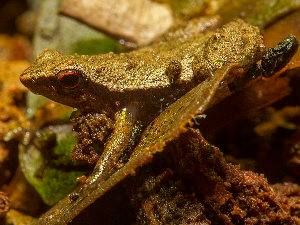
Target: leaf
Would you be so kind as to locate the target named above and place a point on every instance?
(171, 123)
(185, 9)
(17, 218)
(96, 46)
(49, 176)
(65, 34)
(141, 21)
(259, 13)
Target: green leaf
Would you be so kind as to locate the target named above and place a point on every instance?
(96, 46)
(52, 178)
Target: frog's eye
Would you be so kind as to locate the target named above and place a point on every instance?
(70, 78)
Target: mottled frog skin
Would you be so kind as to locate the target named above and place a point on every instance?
(143, 81)
(162, 72)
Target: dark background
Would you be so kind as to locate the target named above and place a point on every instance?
(9, 11)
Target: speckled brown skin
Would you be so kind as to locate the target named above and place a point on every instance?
(144, 81)
(92, 129)
(164, 71)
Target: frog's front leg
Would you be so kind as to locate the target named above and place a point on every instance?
(93, 130)
(115, 138)
(119, 146)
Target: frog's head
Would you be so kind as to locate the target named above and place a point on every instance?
(62, 78)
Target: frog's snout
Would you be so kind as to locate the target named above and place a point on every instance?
(29, 81)
(25, 79)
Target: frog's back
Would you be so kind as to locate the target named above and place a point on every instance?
(179, 61)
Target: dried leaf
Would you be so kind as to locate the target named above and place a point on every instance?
(185, 9)
(17, 218)
(140, 21)
(67, 34)
(259, 13)
(255, 96)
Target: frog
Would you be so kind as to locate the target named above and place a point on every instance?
(142, 82)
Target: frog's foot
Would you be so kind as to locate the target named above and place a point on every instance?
(275, 58)
(92, 130)
(271, 62)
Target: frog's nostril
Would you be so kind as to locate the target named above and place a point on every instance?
(22, 78)
(25, 79)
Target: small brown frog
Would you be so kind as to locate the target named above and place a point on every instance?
(143, 82)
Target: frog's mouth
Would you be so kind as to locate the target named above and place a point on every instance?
(47, 88)
(34, 84)
(39, 86)
(28, 82)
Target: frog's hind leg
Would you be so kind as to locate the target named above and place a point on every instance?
(272, 61)
(275, 58)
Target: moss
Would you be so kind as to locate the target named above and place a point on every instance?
(56, 184)
(96, 46)
(63, 149)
